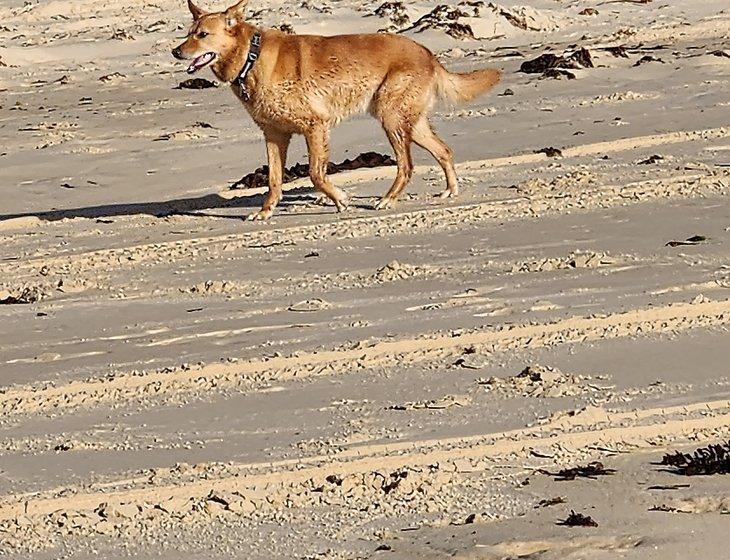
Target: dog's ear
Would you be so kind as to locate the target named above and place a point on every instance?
(234, 14)
(197, 12)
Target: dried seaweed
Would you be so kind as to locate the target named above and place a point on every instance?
(395, 12)
(445, 18)
(517, 22)
(549, 152)
(475, 5)
(550, 502)
(694, 240)
(196, 83)
(121, 35)
(618, 52)
(111, 77)
(667, 486)
(578, 520)
(647, 58)
(557, 74)
(665, 508)
(386, 9)
(582, 57)
(542, 63)
(713, 459)
(396, 478)
(28, 294)
(651, 160)
(578, 59)
(260, 177)
(591, 470)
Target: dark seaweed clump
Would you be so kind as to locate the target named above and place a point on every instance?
(591, 470)
(713, 459)
(260, 177)
(580, 58)
(578, 520)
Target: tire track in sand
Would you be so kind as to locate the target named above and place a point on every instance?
(404, 223)
(251, 374)
(435, 219)
(264, 482)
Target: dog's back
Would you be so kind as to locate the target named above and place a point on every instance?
(333, 77)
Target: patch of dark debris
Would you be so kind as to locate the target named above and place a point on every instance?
(647, 58)
(550, 152)
(557, 66)
(578, 520)
(446, 18)
(694, 240)
(591, 470)
(651, 160)
(196, 83)
(260, 177)
(713, 459)
(550, 502)
(24, 295)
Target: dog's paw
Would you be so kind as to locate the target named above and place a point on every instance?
(321, 200)
(384, 203)
(340, 200)
(263, 215)
(447, 194)
(342, 204)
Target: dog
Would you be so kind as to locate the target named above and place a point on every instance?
(306, 84)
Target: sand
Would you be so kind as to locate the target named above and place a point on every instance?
(394, 384)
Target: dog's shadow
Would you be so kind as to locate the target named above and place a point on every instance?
(195, 206)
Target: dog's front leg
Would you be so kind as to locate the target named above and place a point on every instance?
(318, 146)
(277, 144)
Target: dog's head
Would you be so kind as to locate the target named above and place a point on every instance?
(211, 36)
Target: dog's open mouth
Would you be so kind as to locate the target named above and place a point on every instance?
(201, 61)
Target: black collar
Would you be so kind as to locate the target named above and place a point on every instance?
(254, 49)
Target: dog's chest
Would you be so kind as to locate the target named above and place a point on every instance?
(268, 107)
(298, 105)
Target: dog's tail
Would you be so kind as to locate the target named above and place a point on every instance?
(458, 88)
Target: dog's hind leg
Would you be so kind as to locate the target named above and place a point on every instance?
(424, 136)
(399, 136)
(318, 146)
(401, 100)
(277, 144)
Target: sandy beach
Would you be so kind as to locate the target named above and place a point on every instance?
(396, 384)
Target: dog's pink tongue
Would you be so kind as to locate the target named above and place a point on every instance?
(199, 62)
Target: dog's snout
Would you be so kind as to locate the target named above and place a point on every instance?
(176, 53)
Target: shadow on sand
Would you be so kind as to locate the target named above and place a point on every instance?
(193, 206)
(181, 206)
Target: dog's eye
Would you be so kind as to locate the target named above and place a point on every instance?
(202, 34)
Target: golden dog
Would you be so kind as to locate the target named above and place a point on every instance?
(306, 84)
